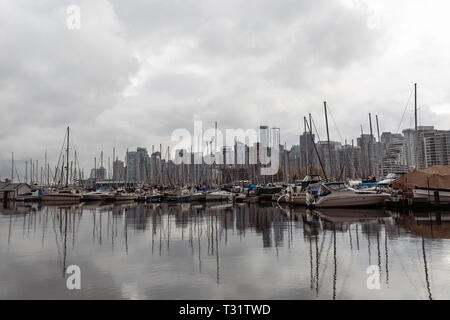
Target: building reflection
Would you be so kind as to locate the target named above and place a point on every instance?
(207, 228)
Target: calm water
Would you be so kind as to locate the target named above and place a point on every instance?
(134, 251)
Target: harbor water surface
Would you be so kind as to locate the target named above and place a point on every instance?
(222, 251)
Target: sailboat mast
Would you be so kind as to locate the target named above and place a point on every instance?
(67, 159)
(12, 167)
(372, 169)
(306, 147)
(328, 139)
(415, 126)
(379, 141)
(45, 165)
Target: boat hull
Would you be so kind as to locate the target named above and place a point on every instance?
(433, 195)
(297, 199)
(124, 198)
(350, 200)
(92, 197)
(217, 197)
(61, 198)
(155, 199)
(178, 199)
(198, 197)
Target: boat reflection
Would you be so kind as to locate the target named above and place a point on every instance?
(204, 232)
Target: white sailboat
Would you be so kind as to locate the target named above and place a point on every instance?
(219, 196)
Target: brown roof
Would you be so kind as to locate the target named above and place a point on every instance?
(431, 177)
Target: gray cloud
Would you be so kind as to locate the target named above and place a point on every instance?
(137, 70)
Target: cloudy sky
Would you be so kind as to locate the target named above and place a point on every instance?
(136, 70)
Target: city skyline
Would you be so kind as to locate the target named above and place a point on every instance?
(135, 72)
(357, 158)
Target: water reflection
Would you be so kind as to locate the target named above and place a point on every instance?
(223, 251)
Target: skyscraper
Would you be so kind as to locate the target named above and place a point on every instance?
(264, 136)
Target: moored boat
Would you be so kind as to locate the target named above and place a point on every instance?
(121, 195)
(61, 196)
(198, 196)
(178, 195)
(337, 195)
(219, 196)
(433, 195)
(92, 196)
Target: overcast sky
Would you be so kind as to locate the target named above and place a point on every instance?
(137, 70)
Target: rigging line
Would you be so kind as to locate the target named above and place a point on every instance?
(334, 122)
(340, 136)
(404, 111)
(60, 155)
(17, 173)
(315, 128)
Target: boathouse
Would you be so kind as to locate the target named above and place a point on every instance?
(10, 191)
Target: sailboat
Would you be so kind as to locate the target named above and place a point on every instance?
(65, 195)
(62, 196)
(178, 195)
(219, 196)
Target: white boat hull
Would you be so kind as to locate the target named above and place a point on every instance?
(339, 200)
(125, 198)
(425, 194)
(218, 196)
(92, 197)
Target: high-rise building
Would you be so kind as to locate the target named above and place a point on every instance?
(275, 141)
(437, 148)
(308, 153)
(394, 157)
(264, 136)
(98, 174)
(138, 166)
(367, 144)
(333, 171)
(118, 170)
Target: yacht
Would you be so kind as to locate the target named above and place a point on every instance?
(338, 195)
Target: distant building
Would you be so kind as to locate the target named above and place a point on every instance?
(437, 148)
(307, 149)
(275, 137)
(264, 136)
(98, 174)
(118, 170)
(334, 171)
(394, 158)
(367, 144)
(138, 166)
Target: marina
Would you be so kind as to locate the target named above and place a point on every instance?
(224, 151)
(161, 251)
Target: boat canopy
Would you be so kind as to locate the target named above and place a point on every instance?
(432, 177)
